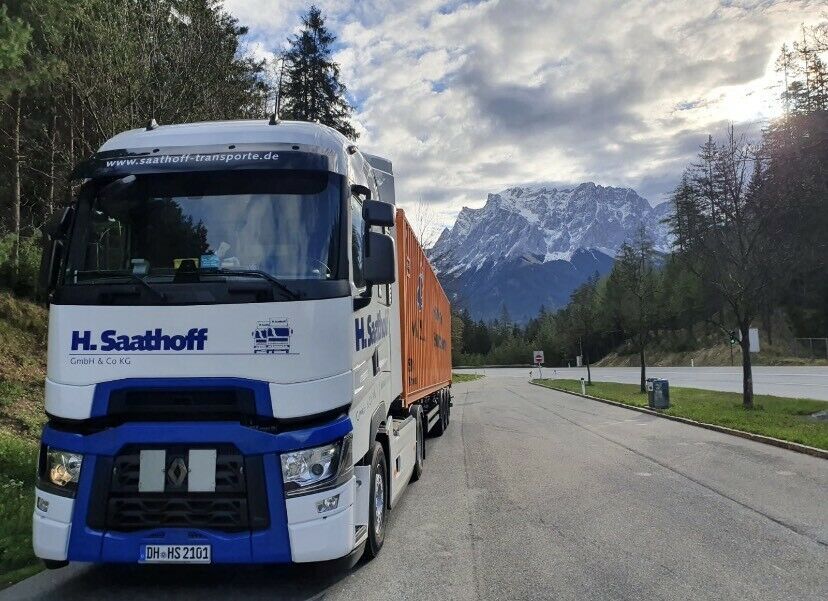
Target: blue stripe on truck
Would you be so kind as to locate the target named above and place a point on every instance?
(103, 390)
(265, 546)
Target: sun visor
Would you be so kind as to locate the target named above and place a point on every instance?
(118, 163)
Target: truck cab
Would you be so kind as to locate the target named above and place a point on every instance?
(225, 378)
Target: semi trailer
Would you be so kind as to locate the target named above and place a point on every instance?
(247, 348)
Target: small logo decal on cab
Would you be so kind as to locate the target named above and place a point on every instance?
(272, 337)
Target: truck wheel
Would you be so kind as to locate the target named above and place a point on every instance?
(377, 501)
(448, 406)
(419, 459)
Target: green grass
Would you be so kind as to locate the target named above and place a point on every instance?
(779, 417)
(18, 459)
(22, 370)
(459, 378)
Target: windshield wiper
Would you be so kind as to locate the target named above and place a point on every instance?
(128, 274)
(289, 292)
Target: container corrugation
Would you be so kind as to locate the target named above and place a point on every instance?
(425, 316)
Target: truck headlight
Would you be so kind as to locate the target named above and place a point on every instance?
(316, 469)
(60, 470)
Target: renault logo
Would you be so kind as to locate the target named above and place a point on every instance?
(177, 472)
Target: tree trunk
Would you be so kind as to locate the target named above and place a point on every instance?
(71, 140)
(16, 189)
(747, 372)
(589, 373)
(643, 369)
(52, 153)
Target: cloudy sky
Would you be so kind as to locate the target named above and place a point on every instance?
(468, 98)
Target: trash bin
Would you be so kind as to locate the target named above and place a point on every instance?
(660, 398)
(648, 386)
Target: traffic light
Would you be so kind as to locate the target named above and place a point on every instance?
(733, 338)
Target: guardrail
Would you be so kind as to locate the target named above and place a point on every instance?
(814, 348)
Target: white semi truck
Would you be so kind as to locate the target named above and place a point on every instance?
(243, 362)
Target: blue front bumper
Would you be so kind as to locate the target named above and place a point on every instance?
(269, 545)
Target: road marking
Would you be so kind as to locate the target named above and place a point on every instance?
(785, 473)
(643, 474)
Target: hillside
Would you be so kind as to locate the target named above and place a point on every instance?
(22, 365)
(710, 351)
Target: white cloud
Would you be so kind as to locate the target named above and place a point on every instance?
(469, 97)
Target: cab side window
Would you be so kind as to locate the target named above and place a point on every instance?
(357, 241)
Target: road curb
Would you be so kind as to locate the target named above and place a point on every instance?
(777, 442)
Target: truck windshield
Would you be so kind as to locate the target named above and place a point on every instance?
(285, 224)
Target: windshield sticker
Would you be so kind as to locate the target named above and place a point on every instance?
(272, 337)
(210, 261)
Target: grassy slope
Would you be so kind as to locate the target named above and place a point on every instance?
(22, 366)
(778, 417)
(22, 369)
(713, 356)
(671, 349)
(459, 378)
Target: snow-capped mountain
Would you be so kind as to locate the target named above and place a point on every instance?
(532, 245)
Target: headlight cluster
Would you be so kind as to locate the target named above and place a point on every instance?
(59, 470)
(316, 469)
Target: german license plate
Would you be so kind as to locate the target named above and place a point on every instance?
(174, 554)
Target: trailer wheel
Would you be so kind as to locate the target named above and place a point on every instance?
(419, 460)
(441, 424)
(447, 394)
(378, 501)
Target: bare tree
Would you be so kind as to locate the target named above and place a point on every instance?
(425, 224)
(637, 277)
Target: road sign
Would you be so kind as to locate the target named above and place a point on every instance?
(538, 357)
(753, 339)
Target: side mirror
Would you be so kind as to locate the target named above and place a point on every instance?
(50, 264)
(360, 191)
(58, 223)
(379, 267)
(379, 213)
(51, 258)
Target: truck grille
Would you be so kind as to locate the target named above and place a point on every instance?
(238, 503)
(139, 513)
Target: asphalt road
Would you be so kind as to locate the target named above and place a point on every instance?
(534, 494)
(800, 382)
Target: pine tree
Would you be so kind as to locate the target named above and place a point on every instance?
(311, 90)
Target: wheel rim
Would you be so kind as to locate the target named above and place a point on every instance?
(379, 503)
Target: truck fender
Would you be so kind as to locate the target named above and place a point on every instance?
(377, 420)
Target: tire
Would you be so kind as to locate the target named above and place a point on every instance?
(55, 564)
(441, 424)
(377, 520)
(448, 407)
(419, 461)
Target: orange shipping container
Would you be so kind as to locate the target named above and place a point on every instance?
(425, 316)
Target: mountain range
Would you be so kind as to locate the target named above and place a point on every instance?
(532, 245)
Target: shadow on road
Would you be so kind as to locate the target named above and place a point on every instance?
(196, 582)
